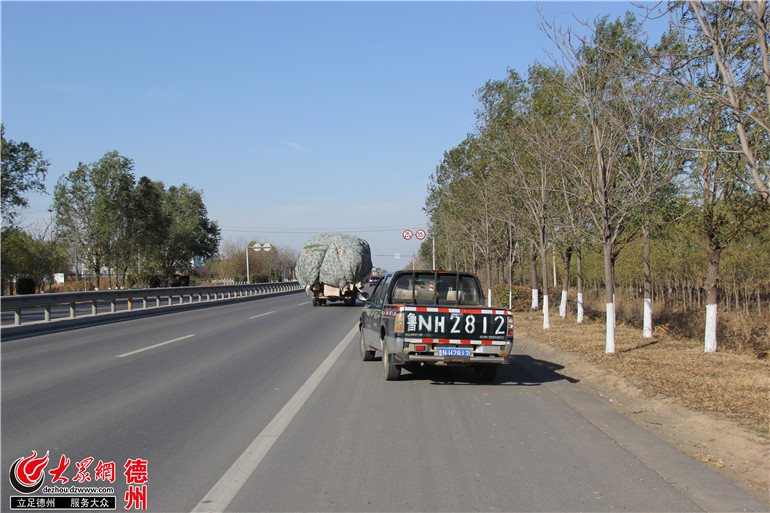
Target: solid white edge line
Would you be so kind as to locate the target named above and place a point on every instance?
(305, 303)
(262, 315)
(220, 496)
(153, 347)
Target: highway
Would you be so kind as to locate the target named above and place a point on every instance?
(265, 405)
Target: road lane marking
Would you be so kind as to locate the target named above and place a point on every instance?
(261, 315)
(305, 303)
(153, 347)
(220, 496)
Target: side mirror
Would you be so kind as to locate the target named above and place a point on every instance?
(363, 296)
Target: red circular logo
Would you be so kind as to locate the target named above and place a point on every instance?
(407, 234)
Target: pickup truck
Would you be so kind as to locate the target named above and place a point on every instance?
(434, 318)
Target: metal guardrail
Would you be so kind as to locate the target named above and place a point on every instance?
(138, 299)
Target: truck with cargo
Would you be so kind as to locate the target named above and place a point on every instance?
(334, 267)
(419, 318)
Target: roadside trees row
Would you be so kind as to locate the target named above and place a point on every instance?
(111, 221)
(608, 145)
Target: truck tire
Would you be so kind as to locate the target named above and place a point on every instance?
(367, 354)
(391, 371)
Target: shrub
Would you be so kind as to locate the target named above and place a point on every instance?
(521, 297)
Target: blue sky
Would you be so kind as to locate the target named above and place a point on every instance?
(292, 118)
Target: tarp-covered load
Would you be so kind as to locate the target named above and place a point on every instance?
(335, 259)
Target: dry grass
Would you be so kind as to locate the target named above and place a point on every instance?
(729, 384)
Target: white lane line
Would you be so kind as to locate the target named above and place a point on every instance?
(153, 347)
(261, 315)
(305, 303)
(220, 496)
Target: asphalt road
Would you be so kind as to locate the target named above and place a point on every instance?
(265, 405)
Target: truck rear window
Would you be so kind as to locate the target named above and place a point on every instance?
(436, 289)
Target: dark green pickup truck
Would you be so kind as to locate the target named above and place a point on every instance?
(434, 318)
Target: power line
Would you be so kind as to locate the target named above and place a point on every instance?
(311, 230)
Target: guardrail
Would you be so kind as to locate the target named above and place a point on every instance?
(147, 298)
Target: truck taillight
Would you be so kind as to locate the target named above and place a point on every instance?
(399, 327)
(510, 326)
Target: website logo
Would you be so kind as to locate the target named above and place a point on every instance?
(27, 474)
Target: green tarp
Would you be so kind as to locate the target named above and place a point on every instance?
(335, 259)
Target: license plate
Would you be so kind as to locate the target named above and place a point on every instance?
(453, 351)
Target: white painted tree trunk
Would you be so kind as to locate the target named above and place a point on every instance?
(647, 330)
(711, 328)
(546, 319)
(580, 307)
(563, 305)
(534, 300)
(609, 347)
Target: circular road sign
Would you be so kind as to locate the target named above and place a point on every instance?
(420, 234)
(408, 234)
(267, 246)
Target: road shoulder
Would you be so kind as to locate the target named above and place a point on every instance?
(720, 445)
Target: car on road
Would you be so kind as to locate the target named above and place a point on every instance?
(417, 318)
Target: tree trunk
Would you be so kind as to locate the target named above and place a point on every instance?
(647, 330)
(544, 264)
(609, 294)
(566, 258)
(579, 262)
(533, 276)
(712, 281)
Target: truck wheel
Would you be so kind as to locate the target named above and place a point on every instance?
(367, 354)
(486, 372)
(315, 302)
(391, 370)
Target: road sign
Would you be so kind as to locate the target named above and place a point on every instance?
(407, 234)
(266, 246)
(420, 234)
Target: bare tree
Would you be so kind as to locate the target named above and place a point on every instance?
(606, 91)
(729, 38)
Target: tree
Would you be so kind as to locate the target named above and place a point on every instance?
(114, 223)
(717, 54)
(74, 196)
(597, 81)
(733, 35)
(529, 174)
(115, 215)
(726, 208)
(23, 170)
(190, 233)
(15, 256)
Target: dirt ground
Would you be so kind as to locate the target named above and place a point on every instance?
(737, 450)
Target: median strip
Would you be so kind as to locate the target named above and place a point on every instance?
(153, 347)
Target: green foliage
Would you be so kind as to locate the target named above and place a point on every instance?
(111, 220)
(520, 297)
(23, 170)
